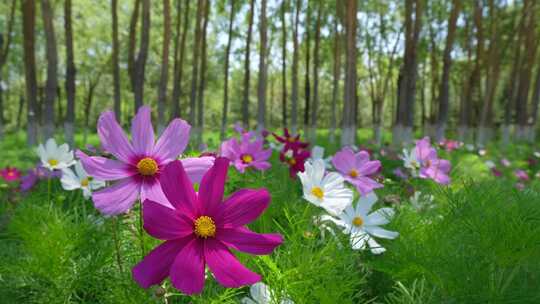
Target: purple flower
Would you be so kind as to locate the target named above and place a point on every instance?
(431, 166)
(521, 175)
(505, 162)
(246, 153)
(138, 163)
(200, 229)
(35, 174)
(357, 169)
(400, 173)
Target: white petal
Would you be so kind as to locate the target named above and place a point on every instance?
(358, 240)
(380, 232)
(260, 292)
(380, 217)
(365, 203)
(375, 247)
(332, 180)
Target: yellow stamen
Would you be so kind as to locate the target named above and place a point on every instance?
(353, 173)
(147, 166)
(85, 182)
(205, 227)
(317, 192)
(53, 162)
(292, 161)
(246, 158)
(357, 221)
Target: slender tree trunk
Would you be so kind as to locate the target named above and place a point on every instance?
(307, 82)
(283, 64)
(164, 77)
(195, 64)
(336, 76)
(245, 99)
(52, 67)
(29, 23)
(69, 124)
(442, 117)
(316, 64)
(226, 74)
(202, 84)
(179, 55)
(348, 135)
(261, 87)
(294, 89)
(20, 111)
(116, 67)
(535, 102)
(133, 43)
(92, 84)
(140, 62)
(4, 51)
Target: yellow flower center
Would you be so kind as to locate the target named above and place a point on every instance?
(415, 164)
(147, 166)
(10, 174)
(291, 139)
(53, 162)
(353, 173)
(292, 161)
(205, 227)
(317, 192)
(358, 221)
(246, 158)
(85, 182)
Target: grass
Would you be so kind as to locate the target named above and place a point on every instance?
(479, 244)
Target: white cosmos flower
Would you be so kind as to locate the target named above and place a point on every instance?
(79, 180)
(317, 152)
(260, 293)
(326, 191)
(55, 157)
(410, 161)
(362, 225)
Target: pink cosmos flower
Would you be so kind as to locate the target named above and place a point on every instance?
(10, 174)
(521, 175)
(431, 166)
(138, 163)
(450, 145)
(246, 153)
(200, 229)
(505, 162)
(357, 169)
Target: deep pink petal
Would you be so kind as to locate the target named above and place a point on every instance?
(228, 271)
(196, 167)
(165, 223)
(117, 198)
(113, 139)
(155, 266)
(142, 132)
(103, 168)
(151, 190)
(245, 240)
(173, 141)
(212, 186)
(178, 189)
(244, 206)
(187, 271)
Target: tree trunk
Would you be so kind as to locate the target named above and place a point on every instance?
(116, 67)
(336, 76)
(294, 89)
(88, 104)
(29, 23)
(52, 67)
(245, 99)
(307, 83)
(202, 84)
(4, 51)
(261, 87)
(226, 74)
(316, 64)
(348, 135)
(140, 62)
(133, 43)
(534, 111)
(283, 64)
(69, 125)
(179, 55)
(195, 65)
(164, 77)
(442, 116)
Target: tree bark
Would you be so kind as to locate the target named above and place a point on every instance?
(316, 64)
(284, 64)
(294, 89)
(348, 135)
(336, 75)
(92, 84)
(307, 82)
(4, 51)
(245, 99)
(195, 64)
(164, 76)
(52, 67)
(179, 55)
(202, 84)
(29, 23)
(116, 67)
(261, 87)
(140, 62)
(226, 74)
(133, 43)
(69, 126)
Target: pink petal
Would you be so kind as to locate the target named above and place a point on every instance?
(360, 158)
(344, 160)
(178, 189)
(142, 132)
(187, 271)
(165, 223)
(262, 165)
(151, 189)
(364, 184)
(117, 198)
(244, 206)
(173, 141)
(196, 167)
(245, 240)
(212, 186)
(113, 139)
(369, 168)
(155, 266)
(228, 271)
(103, 168)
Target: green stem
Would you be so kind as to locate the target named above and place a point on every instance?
(115, 229)
(141, 230)
(49, 190)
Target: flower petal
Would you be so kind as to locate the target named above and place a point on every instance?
(178, 189)
(187, 271)
(244, 206)
(117, 198)
(151, 189)
(165, 223)
(103, 168)
(380, 217)
(228, 271)
(380, 232)
(142, 132)
(113, 139)
(212, 186)
(196, 167)
(245, 240)
(172, 141)
(344, 160)
(155, 266)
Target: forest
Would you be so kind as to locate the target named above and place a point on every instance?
(269, 152)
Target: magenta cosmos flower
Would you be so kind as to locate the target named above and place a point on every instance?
(10, 174)
(138, 163)
(357, 169)
(430, 165)
(246, 153)
(200, 230)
